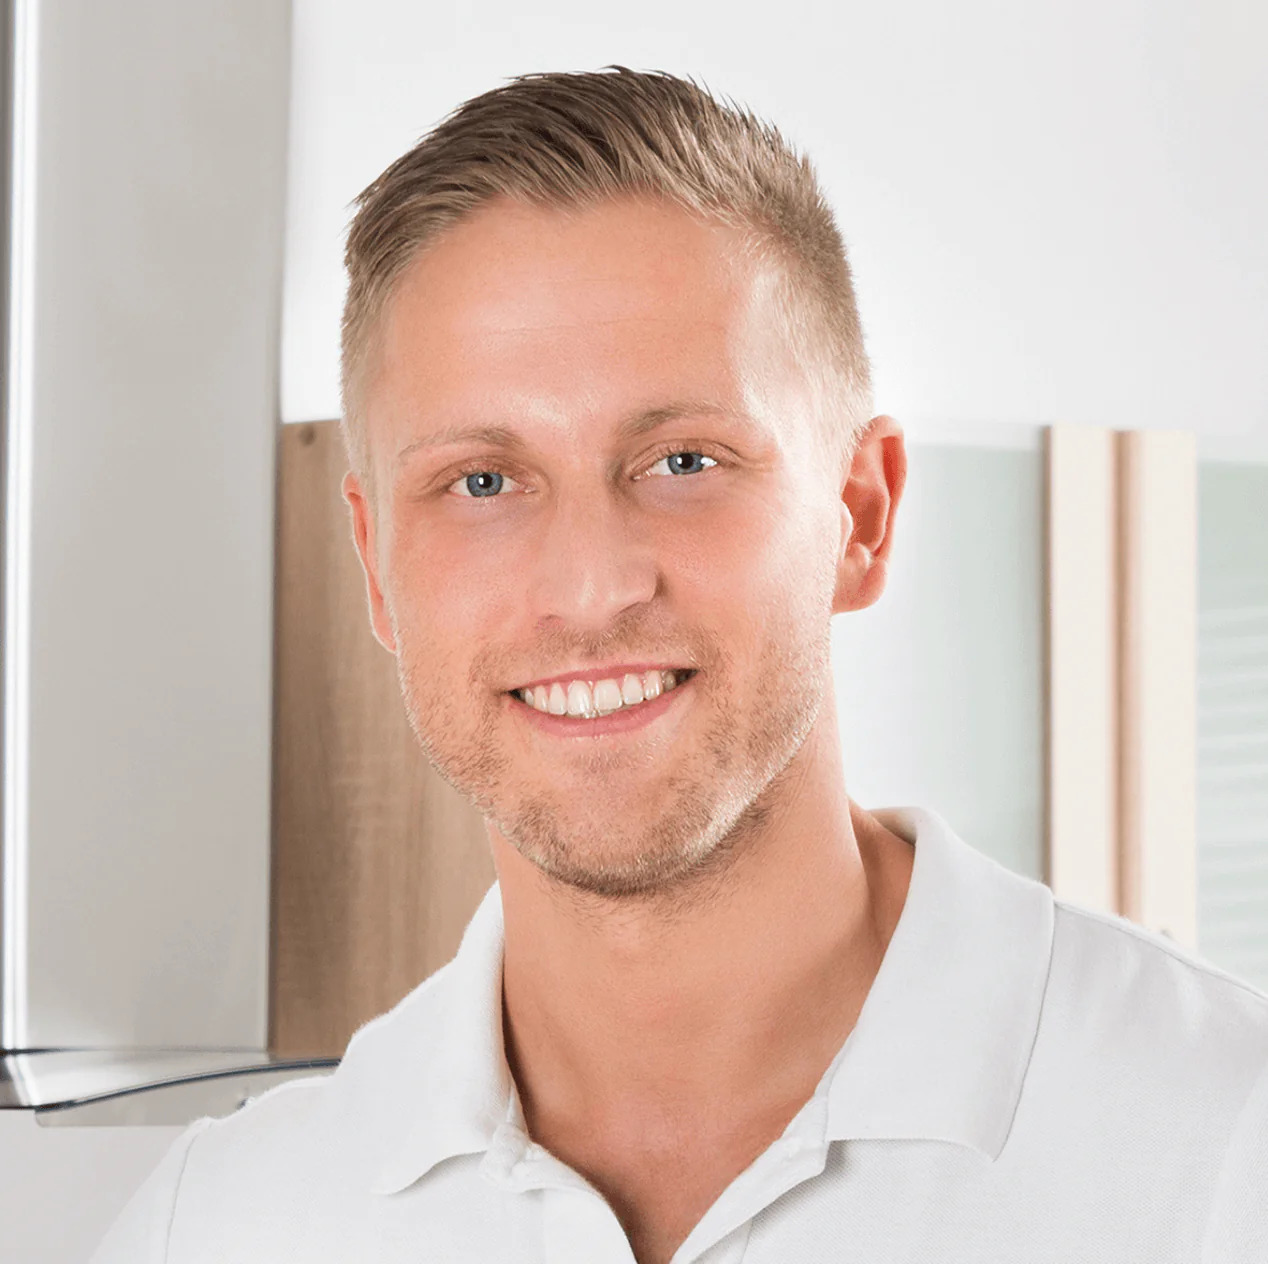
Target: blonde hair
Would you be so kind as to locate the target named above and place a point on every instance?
(575, 139)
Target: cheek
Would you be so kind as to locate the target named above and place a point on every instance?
(444, 586)
(765, 548)
(755, 583)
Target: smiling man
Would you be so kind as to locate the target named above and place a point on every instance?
(614, 467)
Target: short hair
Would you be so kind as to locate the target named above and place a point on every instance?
(573, 140)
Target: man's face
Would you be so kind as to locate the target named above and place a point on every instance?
(657, 501)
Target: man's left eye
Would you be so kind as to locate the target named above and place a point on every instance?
(683, 463)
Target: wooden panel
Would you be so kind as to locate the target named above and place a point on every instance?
(1083, 733)
(1122, 658)
(1158, 681)
(377, 863)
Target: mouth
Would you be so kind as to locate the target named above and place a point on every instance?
(603, 705)
(582, 699)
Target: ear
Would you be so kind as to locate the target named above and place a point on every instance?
(363, 529)
(869, 501)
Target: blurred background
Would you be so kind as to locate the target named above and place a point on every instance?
(221, 851)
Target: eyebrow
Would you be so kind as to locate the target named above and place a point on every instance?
(631, 427)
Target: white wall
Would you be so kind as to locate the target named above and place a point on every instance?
(1055, 209)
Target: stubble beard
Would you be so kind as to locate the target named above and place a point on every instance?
(716, 801)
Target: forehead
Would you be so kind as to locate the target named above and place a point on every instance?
(549, 314)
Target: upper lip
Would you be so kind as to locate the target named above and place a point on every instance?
(615, 671)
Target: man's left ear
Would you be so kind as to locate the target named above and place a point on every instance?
(869, 501)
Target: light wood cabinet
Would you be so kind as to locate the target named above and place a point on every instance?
(377, 863)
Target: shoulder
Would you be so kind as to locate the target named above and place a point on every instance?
(1153, 1012)
(140, 1233)
(1237, 1228)
(1145, 1070)
(338, 1122)
(284, 1157)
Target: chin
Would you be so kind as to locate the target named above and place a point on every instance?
(671, 855)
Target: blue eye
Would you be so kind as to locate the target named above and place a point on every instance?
(685, 462)
(483, 483)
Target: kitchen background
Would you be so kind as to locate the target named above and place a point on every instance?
(1055, 213)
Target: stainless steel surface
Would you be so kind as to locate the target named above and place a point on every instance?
(6, 150)
(174, 1086)
(143, 310)
(17, 175)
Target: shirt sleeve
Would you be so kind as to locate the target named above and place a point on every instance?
(140, 1233)
(1237, 1232)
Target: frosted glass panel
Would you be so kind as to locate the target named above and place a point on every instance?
(940, 685)
(1233, 717)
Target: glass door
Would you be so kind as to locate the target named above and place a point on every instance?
(1232, 827)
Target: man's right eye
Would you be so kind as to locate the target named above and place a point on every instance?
(479, 484)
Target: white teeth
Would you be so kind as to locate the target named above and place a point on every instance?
(582, 700)
(580, 703)
(607, 697)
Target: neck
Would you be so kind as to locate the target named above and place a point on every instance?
(740, 989)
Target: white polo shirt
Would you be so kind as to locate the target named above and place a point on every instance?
(1027, 1081)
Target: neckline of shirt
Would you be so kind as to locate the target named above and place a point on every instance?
(939, 1051)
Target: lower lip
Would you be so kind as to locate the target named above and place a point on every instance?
(623, 721)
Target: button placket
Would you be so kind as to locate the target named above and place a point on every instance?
(579, 1227)
(798, 1155)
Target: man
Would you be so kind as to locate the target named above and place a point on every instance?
(614, 466)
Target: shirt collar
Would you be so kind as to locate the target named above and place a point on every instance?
(941, 1046)
(442, 1064)
(939, 1051)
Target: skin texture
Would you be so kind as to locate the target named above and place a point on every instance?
(695, 909)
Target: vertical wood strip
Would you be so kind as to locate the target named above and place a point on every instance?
(1158, 681)
(377, 863)
(1082, 864)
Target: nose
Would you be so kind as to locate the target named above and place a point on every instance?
(593, 563)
